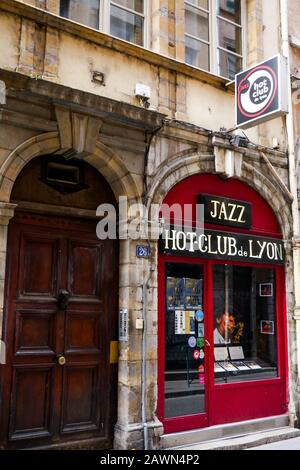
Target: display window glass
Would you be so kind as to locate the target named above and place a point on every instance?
(184, 340)
(245, 327)
(240, 324)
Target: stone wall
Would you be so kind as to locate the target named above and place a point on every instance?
(63, 52)
(51, 95)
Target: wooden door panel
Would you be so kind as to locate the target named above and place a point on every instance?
(31, 402)
(44, 402)
(34, 332)
(80, 398)
(82, 332)
(83, 269)
(38, 266)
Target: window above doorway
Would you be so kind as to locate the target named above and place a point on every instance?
(214, 35)
(124, 19)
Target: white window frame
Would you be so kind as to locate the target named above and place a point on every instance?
(104, 18)
(214, 35)
(129, 10)
(203, 41)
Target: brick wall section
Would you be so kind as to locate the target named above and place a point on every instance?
(53, 6)
(51, 54)
(168, 27)
(29, 2)
(41, 4)
(167, 92)
(27, 41)
(39, 48)
(254, 31)
(50, 5)
(181, 108)
(179, 30)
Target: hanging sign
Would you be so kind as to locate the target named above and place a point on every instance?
(222, 245)
(261, 92)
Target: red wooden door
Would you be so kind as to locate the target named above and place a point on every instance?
(58, 386)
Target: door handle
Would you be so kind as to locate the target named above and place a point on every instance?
(61, 360)
(207, 343)
(63, 299)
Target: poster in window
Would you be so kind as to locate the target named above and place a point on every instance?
(266, 290)
(193, 293)
(189, 292)
(198, 294)
(171, 284)
(200, 330)
(190, 322)
(267, 327)
(180, 322)
(175, 293)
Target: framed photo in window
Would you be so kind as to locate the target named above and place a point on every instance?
(221, 353)
(266, 290)
(236, 353)
(267, 327)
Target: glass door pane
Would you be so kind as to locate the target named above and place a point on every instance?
(245, 331)
(184, 341)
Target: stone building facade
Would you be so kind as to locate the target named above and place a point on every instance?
(69, 91)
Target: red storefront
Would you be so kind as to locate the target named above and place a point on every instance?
(222, 318)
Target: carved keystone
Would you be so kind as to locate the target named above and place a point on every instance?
(78, 133)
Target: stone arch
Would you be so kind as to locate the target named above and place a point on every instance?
(175, 170)
(103, 159)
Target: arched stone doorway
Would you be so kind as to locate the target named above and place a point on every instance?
(59, 384)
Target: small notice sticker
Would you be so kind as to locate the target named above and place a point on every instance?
(123, 324)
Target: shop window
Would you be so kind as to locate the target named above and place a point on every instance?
(184, 334)
(245, 329)
(213, 35)
(124, 19)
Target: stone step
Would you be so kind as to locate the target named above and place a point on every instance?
(223, 431)
(246, 441)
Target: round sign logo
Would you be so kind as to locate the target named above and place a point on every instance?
(196, 354)
(199, 315)
(192, 341)
(257, 91)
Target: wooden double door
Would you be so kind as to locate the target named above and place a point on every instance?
(58, 387)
